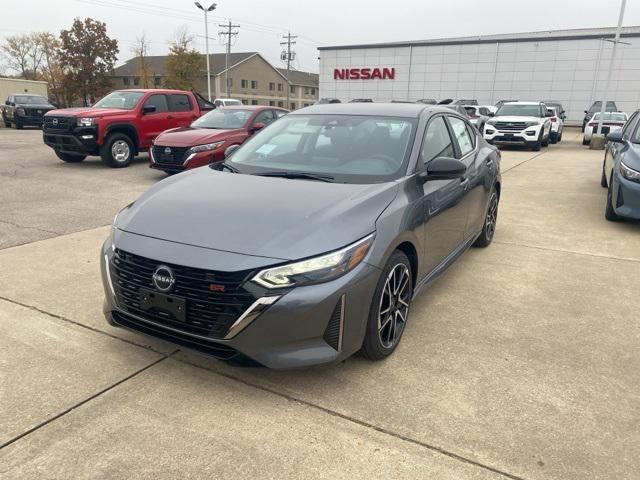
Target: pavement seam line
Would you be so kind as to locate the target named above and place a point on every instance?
(522, 163)
(357, 421)
(29, 228)
(70, 409)
(78, 324)
(561, 250)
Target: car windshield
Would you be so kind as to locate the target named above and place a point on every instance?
(223, 119)
(613, 116)
(513, 110)
(597, 106)
(120, 99)
(30, 100)
(344, 148)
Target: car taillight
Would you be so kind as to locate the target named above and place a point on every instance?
(553, 119)
(592, 124)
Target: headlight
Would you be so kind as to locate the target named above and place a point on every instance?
(316, 270)
(20, 111)
(113, 225)
(532, 123)
(629, 173)
(205, 148)
(85, 121)
(491, 122)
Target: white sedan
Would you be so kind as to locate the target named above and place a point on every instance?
(611, 122)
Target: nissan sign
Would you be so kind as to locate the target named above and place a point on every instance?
(375, 73)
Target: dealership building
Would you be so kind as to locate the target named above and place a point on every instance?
(568, 66)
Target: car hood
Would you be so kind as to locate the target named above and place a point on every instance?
(188, 137)
(88, 112)
(278, 218)
(515, 119)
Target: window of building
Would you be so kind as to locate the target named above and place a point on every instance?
(279, 87)
(272, 86)
(254, 102)
(125, 80)
(437, 141)
(306, 104)
(306, 90)
(158, 101)
(179, 102)
(157, 81)
(272, 103)
(313, 91)
(292, 106)
(292, 89)
(245, 102)
(244, 83)
(136, 80)
(254, 84)
(281, 104)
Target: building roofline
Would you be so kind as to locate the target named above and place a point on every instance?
(550, 35)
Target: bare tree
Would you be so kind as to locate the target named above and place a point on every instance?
(50, 69)
(23, 55)
(143, 68)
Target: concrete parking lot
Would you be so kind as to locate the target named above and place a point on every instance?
(521, 362)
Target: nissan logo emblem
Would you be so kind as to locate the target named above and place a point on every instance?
(167, 151)
(54, 121)
(163, 279)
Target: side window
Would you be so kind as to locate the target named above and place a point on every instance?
(158, 101)
(265, 117)
(630, 125)
(280, 113)
(461, 134)
(179, 103)
(218, 103)
(436, 141)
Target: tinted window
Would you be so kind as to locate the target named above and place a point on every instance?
(484, 111)
(30, 99)
(635, 135)
(437, 141)
(613, 116)
(461, 134)
(519, 110)
(265, 117)
(280, 113)
(630, 126)
(179, 103)
(158, 101)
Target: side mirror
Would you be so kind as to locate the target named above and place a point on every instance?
(586, 111)
(257, 126)
(549, 113)
(230, 150)
(148, 109)
(7, 102)
(615, 137)
(443, 168)
(491, 114)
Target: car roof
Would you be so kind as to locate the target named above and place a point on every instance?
(412, 110)
(523, 103)
(251, 107)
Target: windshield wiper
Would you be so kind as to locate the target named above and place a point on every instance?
(221, 165)
(292, 174)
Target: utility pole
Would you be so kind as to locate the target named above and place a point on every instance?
(206, 42)
(229, 32)
(611, 64)
(288, 55)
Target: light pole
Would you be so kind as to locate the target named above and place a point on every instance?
(206, 42)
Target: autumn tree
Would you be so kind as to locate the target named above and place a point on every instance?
(22, 54)
(50, 69)
(184, 64)
(87, 56)
(140, 51)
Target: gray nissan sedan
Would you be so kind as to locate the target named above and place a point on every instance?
(309, 242)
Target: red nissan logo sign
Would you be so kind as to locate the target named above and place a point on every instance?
(364, 73)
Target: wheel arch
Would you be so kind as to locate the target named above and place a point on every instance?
(125, 128)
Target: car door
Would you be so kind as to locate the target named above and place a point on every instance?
(444, 211)
(476, 179)
(153, 123)
(181, 110)
(613, 148)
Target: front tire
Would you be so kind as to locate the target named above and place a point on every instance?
(490, 221)
(545, 141)
(117, 151)
(609, 213)
(70, 157)
(603, 178)
(536, 146)
(18, 125)
(389, 308)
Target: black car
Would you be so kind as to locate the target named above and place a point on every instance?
(597, 107)
(353, 208)
(23, 109)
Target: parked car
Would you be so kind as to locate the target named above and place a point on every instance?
(309, 242)
(361, 100)
(206, 139)
(611, 122)
(502, 102)
(22, 110)
(621, 171)
(557, 124)
(476, 120)
(492, 109)
(322, 101)
(119, 126)
(597, 107)
(520, 123)
(558, 106)
(226, 102)
(478, 115)
(466, 102)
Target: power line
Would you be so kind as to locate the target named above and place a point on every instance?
(288, 55)
(229, 33)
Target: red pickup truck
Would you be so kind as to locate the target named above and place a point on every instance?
(121, 125)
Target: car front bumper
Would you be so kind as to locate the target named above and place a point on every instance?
(527, 137)
(626, 196)
(79, 141)
(301, 328)
(193, 160)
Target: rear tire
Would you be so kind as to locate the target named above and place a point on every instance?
(603, 178)
(7, 123)
(609, 213)
(389, 308)
(117, 151)
(490, 221)
(560, 136)
(545, 142)
(585, 141)
(70, 157)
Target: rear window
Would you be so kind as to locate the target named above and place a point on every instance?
(612, 116)
(179, 103)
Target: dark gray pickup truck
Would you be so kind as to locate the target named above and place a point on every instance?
(23, 109)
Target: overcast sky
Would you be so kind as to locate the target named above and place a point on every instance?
(317, 23)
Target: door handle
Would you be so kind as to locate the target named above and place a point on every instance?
(489, 162)
(464, 183)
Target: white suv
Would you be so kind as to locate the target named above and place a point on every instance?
(520, 123)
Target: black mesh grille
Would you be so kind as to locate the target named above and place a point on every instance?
(169, 155)
(58, 123)
(209, 313)
(34, 112)
(333, 331)
(510, 126)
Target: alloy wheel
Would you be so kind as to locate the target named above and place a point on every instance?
(394, 305)
(492, 216)
(120, 151)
